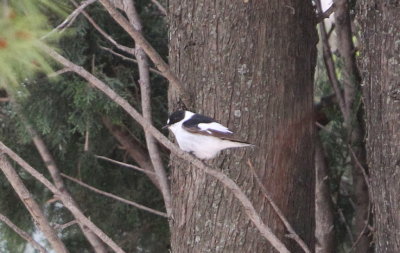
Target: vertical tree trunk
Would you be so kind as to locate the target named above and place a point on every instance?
(250, 65)
(380, 40)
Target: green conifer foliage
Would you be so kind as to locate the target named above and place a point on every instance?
(64, 110)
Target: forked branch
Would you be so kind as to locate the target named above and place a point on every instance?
(217, 174)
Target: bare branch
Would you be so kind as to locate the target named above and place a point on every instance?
(124, 164)
(134, 149)
(326, 14)
(129, 59)
(110, 195)
(363, 170)
(126, 49)
(65, 225)
(144, 83)
(23, 234)
(292, 234)
(59, 72)
(330, 65)
(31, 205)
(71, 18)
(65, 200)
(248, 207)
(51, 165)
(160, 7)
(161, 65)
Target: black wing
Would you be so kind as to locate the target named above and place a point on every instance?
(192, 125)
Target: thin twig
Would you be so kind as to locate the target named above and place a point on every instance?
(145, 93)
(326, 14)
(52, 167)
(58, 72)
(330, 65)
(70, 19)
(126, 49)
(292, 234)
(66, 201)
(23, 234)
(124, 164)
(61, 227)
(160, 7)
(248, 207)
(366, 178)
(346, 224)
(110, 195)
(161, 65)
(129, 59)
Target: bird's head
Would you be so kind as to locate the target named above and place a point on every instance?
(174, 118)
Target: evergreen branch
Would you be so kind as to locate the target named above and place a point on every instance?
(65, 200)
(248, 207)
(110, 195)
(30, 204)
(290, 229)
(144, 83)
(161, 65)
(22, 233)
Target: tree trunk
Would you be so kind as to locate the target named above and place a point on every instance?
(380, 37)
(250, 65)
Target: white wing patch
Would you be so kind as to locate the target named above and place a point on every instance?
(213, 126)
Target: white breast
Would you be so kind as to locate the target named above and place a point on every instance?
(202, 146)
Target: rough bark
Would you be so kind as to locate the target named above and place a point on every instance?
(380, 65)
(249, 64)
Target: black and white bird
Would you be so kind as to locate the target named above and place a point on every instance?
(201, 135)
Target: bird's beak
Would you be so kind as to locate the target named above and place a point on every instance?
(165, 127)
